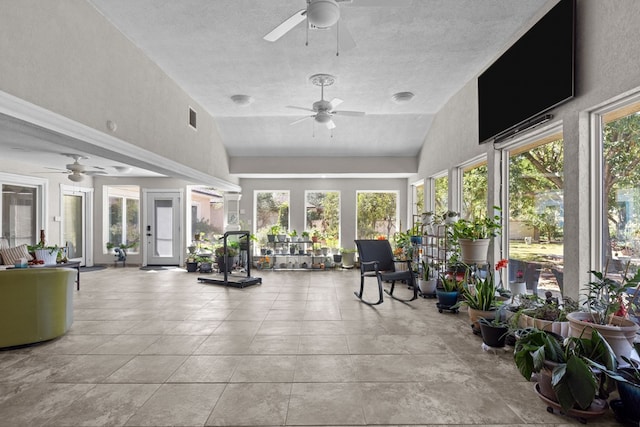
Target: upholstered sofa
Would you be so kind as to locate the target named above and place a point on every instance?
(36, 304)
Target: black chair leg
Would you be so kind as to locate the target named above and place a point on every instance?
(359, 295)
(412, 285)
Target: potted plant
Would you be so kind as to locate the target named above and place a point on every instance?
(348, 257)
(448, 293)
(564, 375)
(607, 311)
(548, 315)
(427, 282)
(305, 236)
(474, 236)
(628, 381)
(449, 217)
(48, 254)
(293, 235)
(480, 298)
(427, 219)
(205, 264)
(220, 258)
(494, 331)
(274, 230)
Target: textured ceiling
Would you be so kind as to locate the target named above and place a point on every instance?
(214, 49)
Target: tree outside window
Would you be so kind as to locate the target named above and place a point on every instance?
(271, 208)
(474, 192)
(441, 185)
(377, 214)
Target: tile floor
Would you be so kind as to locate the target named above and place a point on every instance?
(158, 348)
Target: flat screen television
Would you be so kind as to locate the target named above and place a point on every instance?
(531, 77)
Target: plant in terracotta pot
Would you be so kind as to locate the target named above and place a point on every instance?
(605, 300)
(479, 296)
(474, 236)
(563, 372)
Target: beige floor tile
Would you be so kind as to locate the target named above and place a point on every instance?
(325, 404)
(90, 369)
(105, 405)
(225, 344)
(126, 344)
(275, 344)
(256, 369)
(323, 344)
(178, 405)
(147, 369)
(324, 368)
(238, 327)
(206, 369)
(251, 405)
(175, 344)
(280, 327)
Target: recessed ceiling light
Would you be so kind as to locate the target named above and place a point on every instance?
(243, 100)
(402, 97)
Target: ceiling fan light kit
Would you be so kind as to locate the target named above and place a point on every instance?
(75, 177)
(402, 97)
(323, 13)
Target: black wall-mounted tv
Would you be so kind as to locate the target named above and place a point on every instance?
(531, 77)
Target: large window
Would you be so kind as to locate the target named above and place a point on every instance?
(441, 194)
(620, 183)
(536, 214)
(322, 213)
(207, 212)
(22, 208)
(474, 191)
(124, 216)
(271, 208)
(377, 214)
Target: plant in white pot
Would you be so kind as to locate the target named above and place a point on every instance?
(428, 281)
(474, 236)
(607, 312)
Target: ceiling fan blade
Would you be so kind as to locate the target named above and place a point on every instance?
(345, 39)
(301, 108)
(286, 26)
(349, 113)
(300, 120)
(330, 124)
(335, 102)
(95, 173)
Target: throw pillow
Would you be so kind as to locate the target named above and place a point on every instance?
(11, 255)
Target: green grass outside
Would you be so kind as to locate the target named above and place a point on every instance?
(540, 252)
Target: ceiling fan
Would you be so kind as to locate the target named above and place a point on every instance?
(324, 14)
(324, 110)
(77, 171)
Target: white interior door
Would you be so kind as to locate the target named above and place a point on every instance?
(162, 228)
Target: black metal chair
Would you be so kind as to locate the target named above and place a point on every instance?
(376, 260)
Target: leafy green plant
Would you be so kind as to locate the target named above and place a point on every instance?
(605, 296)
(450, 283)
(478, 228)
(482, 296)
(630, 374)
(231, 251)
(575, 384)
(274, 229)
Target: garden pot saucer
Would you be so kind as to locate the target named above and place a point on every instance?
(598, 407)
(622, 414)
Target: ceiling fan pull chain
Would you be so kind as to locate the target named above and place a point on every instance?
(338, 38)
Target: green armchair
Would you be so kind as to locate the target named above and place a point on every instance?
(36, 304)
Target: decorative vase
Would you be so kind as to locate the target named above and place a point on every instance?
(474, 251)
(620, 333)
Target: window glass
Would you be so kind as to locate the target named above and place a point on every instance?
(377, 214)
(536, 216)
(621, 189)
(322, 213)
(19, 214)
(474, 192)
(419, 199)
(207, 212)
(271, 208)
(441, 199)
(124, 216)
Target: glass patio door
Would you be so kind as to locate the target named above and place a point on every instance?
(162, 228)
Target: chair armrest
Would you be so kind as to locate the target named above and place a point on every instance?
(374, 263)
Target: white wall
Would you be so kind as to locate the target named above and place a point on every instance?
(607, 55)
(347, 188)
(66, 57)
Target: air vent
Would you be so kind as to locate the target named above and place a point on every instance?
(192, 118)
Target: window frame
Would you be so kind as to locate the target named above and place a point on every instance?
(42, 192)
(306, 193)
(106, 216)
